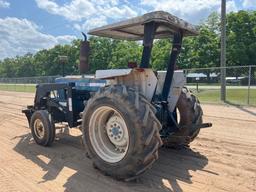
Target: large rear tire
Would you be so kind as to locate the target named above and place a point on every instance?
(121, 132)
(190, 113)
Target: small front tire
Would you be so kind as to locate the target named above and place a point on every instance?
(42, 127)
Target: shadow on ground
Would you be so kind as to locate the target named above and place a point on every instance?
(68, 153)
(242, 108)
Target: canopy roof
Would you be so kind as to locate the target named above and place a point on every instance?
(133, 29)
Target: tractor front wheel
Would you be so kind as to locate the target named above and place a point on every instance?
(42, 127)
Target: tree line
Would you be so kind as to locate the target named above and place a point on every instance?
(200, 51)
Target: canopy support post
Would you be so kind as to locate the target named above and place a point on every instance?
(149, 34)
(176, 47)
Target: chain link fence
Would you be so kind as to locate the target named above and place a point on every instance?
(29, 80)
(24, 84)
(240, 84)
(204, 82)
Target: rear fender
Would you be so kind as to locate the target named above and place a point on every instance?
(143, 80)
(178, 83)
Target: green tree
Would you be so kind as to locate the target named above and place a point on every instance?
(213, 22)
(241, 43)
(197, 52)
(101, 51)
(24, 66)
(200, 51)
(8, 67)
(241, 32)
(124, 52)
(160, 54)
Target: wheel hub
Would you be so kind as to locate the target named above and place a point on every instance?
(116, 131)
(39, 128)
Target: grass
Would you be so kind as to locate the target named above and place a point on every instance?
(233, 96)
(18, 87)
(206, 95)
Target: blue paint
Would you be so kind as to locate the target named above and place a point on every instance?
(88, 84)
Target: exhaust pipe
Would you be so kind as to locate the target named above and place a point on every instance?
(84, 55)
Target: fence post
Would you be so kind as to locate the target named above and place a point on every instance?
(14, 82)
(249, 84)
(223, 51)
(185, 74)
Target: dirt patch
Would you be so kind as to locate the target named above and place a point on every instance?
(222, 158)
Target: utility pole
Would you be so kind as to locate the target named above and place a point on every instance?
(63, 59)
(223, 50)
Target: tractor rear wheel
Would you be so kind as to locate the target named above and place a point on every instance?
(42, 127)
(121, 132)
(190, 115)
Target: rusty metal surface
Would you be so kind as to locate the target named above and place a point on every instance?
(133, 29)
(84, 57)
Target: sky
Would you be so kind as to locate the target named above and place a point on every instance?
(32, 25)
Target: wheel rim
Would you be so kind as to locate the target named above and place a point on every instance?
(39, 129)
(108, 134)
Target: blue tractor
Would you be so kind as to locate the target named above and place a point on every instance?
(125, 115)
